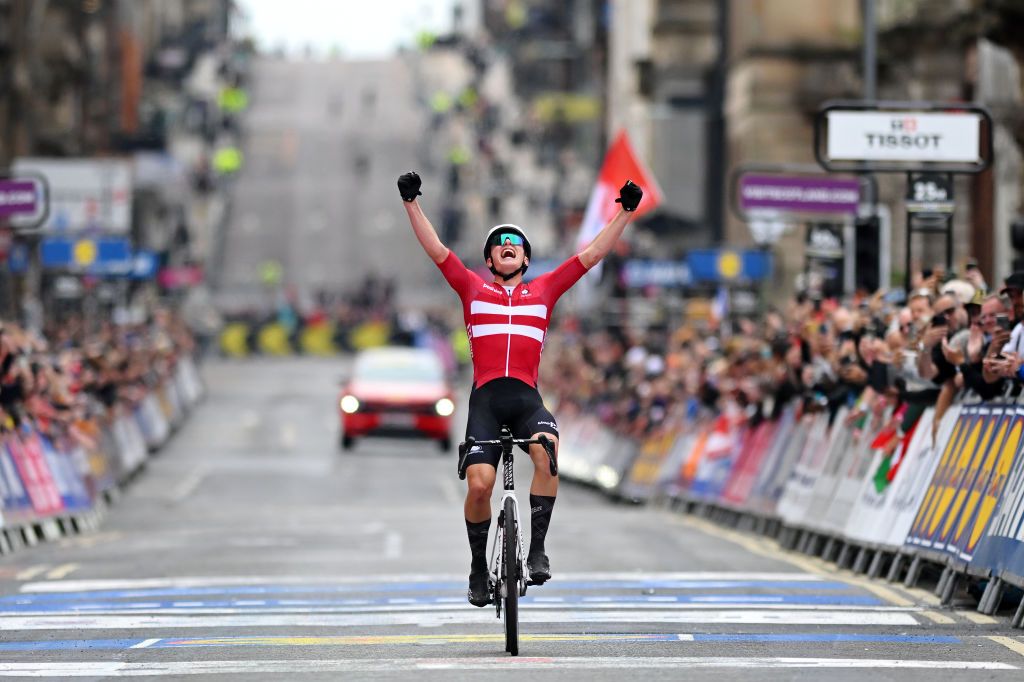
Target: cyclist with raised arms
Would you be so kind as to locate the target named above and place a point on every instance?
(506, 321)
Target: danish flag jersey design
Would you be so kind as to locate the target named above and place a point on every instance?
(506, 331)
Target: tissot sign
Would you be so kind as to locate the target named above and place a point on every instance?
(899, 137)
(903, 136)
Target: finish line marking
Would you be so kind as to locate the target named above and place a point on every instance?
(241, 581)
(435, 618)
(432, 587)
(444, 640)
(118, 669)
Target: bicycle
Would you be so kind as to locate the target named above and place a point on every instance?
(508, 560)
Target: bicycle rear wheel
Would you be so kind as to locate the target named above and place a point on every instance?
(511, 582)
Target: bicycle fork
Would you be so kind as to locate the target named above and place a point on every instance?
(498, 553)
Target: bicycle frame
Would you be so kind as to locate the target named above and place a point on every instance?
(498, 575)
(497, 562)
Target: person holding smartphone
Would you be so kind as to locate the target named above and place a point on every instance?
(1007, 361)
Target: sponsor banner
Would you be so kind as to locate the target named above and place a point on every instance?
(13, 494)
(840, 448)
(155, 429)
(911, 136)
(19, 197)
(86, 195)
(639, 273)
(910, 488)
(669, 476)
(651, 455)
(65, 474)
(131, 445)
(1001, 549)
(972, 436)
(790, 437)
(616, 463)
(722, 447)
(868, 521)
(975, 503)
(36, 476)
(750, 461)
(106, 256)
(850, 473)
(798, 194)
(796, 497)
(728, 265)
(582, 450)
(180, 277)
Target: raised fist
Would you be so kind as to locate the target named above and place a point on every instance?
(630, 196)
(409, 185)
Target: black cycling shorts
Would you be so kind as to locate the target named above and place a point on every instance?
(505, 401)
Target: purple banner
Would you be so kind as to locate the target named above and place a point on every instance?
(18, 197)
(799, 194)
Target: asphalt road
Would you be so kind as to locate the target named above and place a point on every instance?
(253, 546)
(325, 141)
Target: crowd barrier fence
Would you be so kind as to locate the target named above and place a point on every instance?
(51, 487)
(950, 495)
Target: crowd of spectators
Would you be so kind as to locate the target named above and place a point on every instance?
(950, 336)
(70, 373)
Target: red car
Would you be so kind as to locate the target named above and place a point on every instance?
(397, 391)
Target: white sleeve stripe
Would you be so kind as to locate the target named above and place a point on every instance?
(517, 329)
(486, 308)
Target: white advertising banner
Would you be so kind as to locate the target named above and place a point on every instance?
(903, 136)
(86, 195)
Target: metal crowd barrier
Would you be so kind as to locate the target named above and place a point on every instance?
(953, 502)
(50, 487)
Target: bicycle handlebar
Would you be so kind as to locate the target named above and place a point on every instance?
(544, 441)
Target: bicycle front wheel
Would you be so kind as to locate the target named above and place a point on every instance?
(511, 582)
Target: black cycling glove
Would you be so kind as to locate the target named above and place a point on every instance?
(629, 196)
(409, 185)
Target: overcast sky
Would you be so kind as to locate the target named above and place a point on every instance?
(360, 28)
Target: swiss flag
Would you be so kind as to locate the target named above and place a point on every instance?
(620, 164)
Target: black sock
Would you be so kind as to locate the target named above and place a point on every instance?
(477, 532)
(540, 508)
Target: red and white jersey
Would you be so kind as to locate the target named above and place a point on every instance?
(507, 329)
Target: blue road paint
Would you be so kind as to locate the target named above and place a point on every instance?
(386, 588)
(303, 604)
(267, 641)
(71, 644)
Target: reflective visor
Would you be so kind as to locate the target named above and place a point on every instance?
(512, 237)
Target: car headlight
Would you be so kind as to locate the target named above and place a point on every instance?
(444, 407)
(349, 404)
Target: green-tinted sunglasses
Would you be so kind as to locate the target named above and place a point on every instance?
(511, 237)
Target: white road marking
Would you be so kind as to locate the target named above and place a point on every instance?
(237, 581)
(411, 605)
(189, 484)
(393, 545)
(436, 617)
(289, 436)
(152, 668)
(145, 644)
(62, 571)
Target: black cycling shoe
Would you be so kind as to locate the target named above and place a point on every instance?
(479, 593)
(539, 568)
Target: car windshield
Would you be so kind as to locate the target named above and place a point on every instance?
(416, 367)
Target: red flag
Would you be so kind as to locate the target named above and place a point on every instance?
(620, 164)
